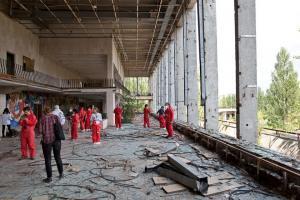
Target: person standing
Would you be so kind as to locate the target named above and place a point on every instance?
(27, 122)
(82, 117)
(96, 120)
(146, 116)
(89, 113)
(59, 114)
(118, 116)
(75, 122)
(169, 116)
(6, 118)
(161, 118)
(49, 142)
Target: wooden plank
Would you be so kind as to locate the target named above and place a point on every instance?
(186, 161)
(207, 155)
(164, 158)
(217, 189)
(186, 169)
(159, 180)
(219, 178)
(174, 188)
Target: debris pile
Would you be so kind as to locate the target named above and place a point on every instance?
(187, 177)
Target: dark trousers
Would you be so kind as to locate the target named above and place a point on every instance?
(3, 130)
(47, 148)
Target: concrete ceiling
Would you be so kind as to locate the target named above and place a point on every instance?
(141, 28)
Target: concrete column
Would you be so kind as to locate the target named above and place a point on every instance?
(191, 65)
(171, 77)
(161, 84)
(209, 26)
(246, 70)
(110, 106)
(179, 60)
(157, 86)
(166, 80)
(2, 107)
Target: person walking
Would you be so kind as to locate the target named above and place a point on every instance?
(82, 117)
(118, 116)
(161, 118)
(146, 116)
(96, 120)
(57, 111)
(6, 118)
(27, 122)
(49, 142)
(75, 122)
(89, 113)
(169, 116)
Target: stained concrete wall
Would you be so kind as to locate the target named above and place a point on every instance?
(14, 38)
(82, 49)
(116, 59)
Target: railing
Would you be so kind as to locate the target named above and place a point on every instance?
(88, 83)
(44, 79)
(268, 131)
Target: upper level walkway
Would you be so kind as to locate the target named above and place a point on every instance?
(18, 77)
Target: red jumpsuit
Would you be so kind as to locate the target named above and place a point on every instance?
(88, 119)
(146, 117)
(96, 127)
(27, 135)
(118, 116)
(82, 117)
(74, 129)
(169, 115)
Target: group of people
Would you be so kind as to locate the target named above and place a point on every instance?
(165, 116)
(89, 119)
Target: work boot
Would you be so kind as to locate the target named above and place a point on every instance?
(47, 180)
(61, 176)
(23, 158)
(32, 158)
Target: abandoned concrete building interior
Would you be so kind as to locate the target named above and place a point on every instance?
(77, 53)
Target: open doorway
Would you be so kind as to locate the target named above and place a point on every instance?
(10, 64)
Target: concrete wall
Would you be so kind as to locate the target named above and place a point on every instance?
(93, 56)
(14, 38)
(116, 59)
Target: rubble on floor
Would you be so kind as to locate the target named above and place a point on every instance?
(115, 169)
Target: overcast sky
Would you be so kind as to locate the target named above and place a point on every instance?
(278, 24)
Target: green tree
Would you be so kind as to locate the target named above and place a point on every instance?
(283, 97)
(227, 101)
(261, 99)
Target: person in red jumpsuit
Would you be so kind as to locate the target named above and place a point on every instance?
(82, 117)
(96, 120)
(118, 116)
(161, 118)
(89, 113)
(169, 116)
(74, 128)
(28, 122)
(146, 116)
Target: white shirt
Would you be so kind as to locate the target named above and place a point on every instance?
(97, 117)
(5, 119)
(60, 116)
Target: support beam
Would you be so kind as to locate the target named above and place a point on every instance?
(208, 61)
(171, 72)
(246, 69)
(110, 106)
(191, 66)
(179, 60)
